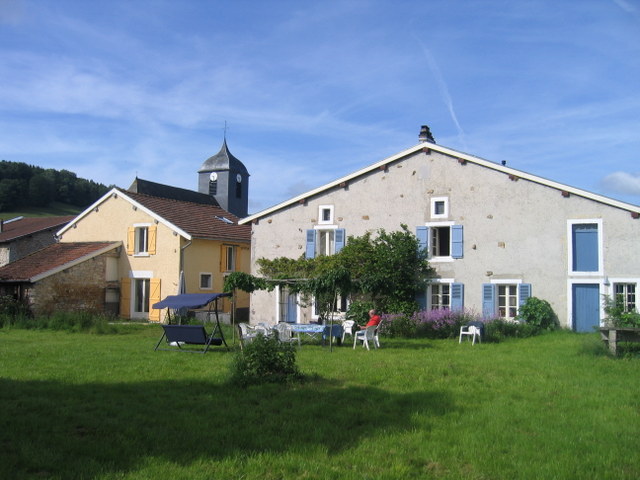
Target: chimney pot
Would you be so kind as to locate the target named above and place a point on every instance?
(425, 135)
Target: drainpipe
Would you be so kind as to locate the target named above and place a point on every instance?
(182, 249)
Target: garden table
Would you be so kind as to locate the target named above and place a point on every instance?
(314, 330)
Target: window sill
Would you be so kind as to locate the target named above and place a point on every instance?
(441, 259)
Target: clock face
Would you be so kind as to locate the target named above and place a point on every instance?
(239, 178)
(213, 176)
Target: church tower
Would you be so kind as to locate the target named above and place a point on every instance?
(226, 179)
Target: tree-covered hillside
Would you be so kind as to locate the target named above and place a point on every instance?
(23, 185)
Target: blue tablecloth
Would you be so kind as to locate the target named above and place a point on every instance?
(315, 330)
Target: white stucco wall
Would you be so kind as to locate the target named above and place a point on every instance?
(514, 229)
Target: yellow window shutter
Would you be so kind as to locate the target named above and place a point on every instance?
(125, 297)
(153, 234)
(131, 240)
(154, 297)
(223, 258)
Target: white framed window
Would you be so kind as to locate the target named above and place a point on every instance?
(440, 296)
(508, 301)
(339, 308)
(287, 305)
(142, 240)
(206, 281)
(229, 257)
(585, 251)
(325, 242)
(439, 207)
(444, 240)
(625, 293)
(325, 214)
(503, 298)
(140, 293)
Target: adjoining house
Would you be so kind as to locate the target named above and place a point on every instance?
(64, 276)
(171, 240)
(21, 236)
(495, 235)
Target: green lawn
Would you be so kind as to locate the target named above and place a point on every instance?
(87, 406)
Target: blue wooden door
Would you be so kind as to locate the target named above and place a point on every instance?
(586, 307)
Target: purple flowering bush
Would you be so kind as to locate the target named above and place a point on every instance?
(442, 323)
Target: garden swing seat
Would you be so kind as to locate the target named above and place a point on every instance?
(181, 336)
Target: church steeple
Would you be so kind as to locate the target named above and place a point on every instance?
(225, 178)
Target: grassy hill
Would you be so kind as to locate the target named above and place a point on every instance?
(56, 209)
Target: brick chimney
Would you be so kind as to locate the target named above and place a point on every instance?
(425, 135)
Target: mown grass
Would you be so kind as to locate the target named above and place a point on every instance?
(77, 405)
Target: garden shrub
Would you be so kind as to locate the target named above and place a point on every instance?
(538, 313)
(265, 360)
(397, 325)
(616, 315)
(358, 311)
(498, 329)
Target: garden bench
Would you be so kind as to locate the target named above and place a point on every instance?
(182, 335)
(612, 336)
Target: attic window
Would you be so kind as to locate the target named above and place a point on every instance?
(224, 219)
(325, 214)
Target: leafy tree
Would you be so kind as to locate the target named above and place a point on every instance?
(386, 270)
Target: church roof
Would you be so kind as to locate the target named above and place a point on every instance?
(223, 160)
(165, 191)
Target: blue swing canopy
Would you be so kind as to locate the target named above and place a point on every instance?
(189, 300)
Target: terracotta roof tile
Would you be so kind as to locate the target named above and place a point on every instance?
(198, 220)
(50, 258)
(12, 230)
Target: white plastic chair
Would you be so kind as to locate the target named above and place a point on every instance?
(472, 331)
(376, 335)
(365, 336)
(347, 328)
(247, 334)
(286, 334)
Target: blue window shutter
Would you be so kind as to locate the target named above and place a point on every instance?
(340, 239)
(311, 244)
(488, 300)
(423, 237)
(585, 247)
(524, 292)
(456, 241)
(457, 296)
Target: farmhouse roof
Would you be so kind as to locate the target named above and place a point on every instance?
(53, 259)
(25, 226)
(426, 146)
(188, 219)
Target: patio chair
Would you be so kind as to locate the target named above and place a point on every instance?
(471, 331)
(365, 336)
(376, 335)
(286, 334)
(347, 328)
(247, 333)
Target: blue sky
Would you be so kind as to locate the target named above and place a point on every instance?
(311, 91)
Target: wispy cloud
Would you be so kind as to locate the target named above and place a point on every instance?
(443, 88)
(622, 182)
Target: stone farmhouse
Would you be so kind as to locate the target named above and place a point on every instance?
(24, 235)
(133, 247)
(495, 235)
